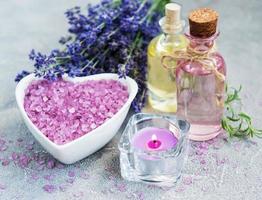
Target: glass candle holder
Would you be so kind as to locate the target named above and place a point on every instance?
(153, 149)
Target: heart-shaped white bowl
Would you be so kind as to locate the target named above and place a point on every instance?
(92, 141)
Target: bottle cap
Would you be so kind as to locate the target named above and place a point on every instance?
(172, 13)
(203, 22)
(172, 22)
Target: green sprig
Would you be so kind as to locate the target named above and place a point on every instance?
(237, 124)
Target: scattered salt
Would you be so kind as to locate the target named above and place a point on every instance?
(49, 188)
(5, 162)
(2, 187)
(187, 180)
(71, 173)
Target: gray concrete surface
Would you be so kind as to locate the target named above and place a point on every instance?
(27, 24)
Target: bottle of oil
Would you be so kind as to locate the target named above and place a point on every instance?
(201, 77)
(161, 81)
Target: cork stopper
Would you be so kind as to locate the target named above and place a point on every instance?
(172, 13)
(203, 22)
(172, 22)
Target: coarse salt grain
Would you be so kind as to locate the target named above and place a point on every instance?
(5, 162)
(71, 110)
(71, 173)
(49, 188)
(2, 187)
(65, 111)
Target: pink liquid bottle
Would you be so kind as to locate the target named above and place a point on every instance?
(201, 77)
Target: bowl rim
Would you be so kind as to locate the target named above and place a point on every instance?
(24, 83)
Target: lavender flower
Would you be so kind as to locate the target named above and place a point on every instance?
(21, 75)
(109, 37)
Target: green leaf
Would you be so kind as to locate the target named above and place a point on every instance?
(161, 5)
(233, 119)
(223, 124)
(245, 116)
(259, 131)
(244, 128)
(240, 88)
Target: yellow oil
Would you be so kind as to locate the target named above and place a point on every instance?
(161, 82)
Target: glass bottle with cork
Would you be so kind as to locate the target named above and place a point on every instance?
(161, 82)
(200, 77)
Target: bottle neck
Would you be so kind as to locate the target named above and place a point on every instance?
(202, 44)
(170, 38)
(174, 28)
(171, 41)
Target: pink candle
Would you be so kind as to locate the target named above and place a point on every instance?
(154, 139)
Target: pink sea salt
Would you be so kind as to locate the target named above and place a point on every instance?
(49, 188)
(2, 187)
(50, 164)
(187, 180)
(71, 173)
(65, 111)
(5, 162)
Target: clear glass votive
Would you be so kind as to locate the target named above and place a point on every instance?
(153, 149)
